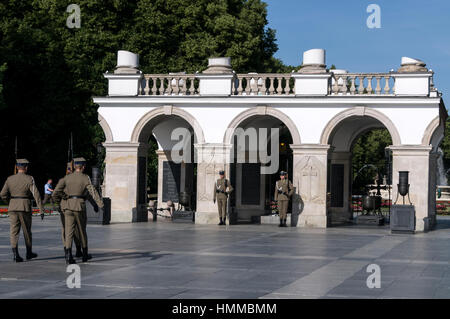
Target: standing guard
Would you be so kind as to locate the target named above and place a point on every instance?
(61, 207)
(222, 188)
(283, 191)
(18, 191)
(71, 191)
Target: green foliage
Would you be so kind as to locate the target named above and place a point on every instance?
(369, 148)
(152, 166)
(54, 71)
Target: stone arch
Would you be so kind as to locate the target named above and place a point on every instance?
(167, 110)
(430, 130)
(262, 110)
(360, 111)
(106, 129)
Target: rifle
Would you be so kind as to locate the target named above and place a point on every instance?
(70, 153)
(15, 152)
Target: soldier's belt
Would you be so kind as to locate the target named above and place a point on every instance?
(79, 197)
(217, 191)
(20, 197)
(284, 193)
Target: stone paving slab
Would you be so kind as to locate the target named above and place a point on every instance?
(176, 261)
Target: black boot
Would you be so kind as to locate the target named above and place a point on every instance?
(281, 223)
(86, 256)
(79, 252)
(221, 221)
(65, 253)
(224, 221)
(69, 257)
(30, 254)
(284, 223)
(16, 257)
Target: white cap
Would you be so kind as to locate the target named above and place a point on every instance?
(127, 59)
(314, 56)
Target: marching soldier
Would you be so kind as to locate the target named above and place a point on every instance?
(72, 189)
(283, 191)
(61, 208)
(18, 190)
(222, 188)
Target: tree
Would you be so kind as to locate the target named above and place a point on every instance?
(54, 71)
(369, 148)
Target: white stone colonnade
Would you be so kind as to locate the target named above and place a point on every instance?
(323, 119)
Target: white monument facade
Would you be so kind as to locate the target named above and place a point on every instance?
(319, 112)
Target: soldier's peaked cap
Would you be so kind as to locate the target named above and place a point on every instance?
(283, 173)
(22, 162)
(221, 172)
(79, 160)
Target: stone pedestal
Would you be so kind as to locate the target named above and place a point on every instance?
(211, 158)
(218, 78)
(309, 203)
(122, 177)
(416, 160)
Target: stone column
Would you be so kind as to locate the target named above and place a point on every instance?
(211, 158)
(342, 213)
(432, 188)
(121, 179)
(309, 204)
(416, 160)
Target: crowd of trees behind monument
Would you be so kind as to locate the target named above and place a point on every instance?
(49, 72)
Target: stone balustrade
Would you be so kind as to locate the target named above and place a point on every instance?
(169, 84)
(263, 84)
(362, 83)
(269, 84)
(312, 79)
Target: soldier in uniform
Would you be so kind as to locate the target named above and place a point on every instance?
(18, 190)
(73, 189)
(222, 188)
(283, 191)
(61, 207)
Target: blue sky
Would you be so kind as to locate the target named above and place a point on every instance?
(413, 28)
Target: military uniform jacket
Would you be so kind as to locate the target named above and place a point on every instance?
(222, 188)
(19, 190)
(72, 190)
(286, 188)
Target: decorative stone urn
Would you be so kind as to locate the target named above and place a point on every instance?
(127, 62)
(313, 61)
(219, 66)
(409, 65)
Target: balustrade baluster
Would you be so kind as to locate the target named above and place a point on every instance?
(280, 87)
(240, 86)
(271, 87)
(387, 89)
(335, 87)
(344, 84)
(369, 84)
(248, 85)
(154, 89)
(378, 88)
(161, 88)
(353, 87)
(361, 84)
(263, 86)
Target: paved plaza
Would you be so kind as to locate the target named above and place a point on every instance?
(179, 260)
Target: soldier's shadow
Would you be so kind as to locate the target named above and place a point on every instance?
(298, 206)
(114, 256)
